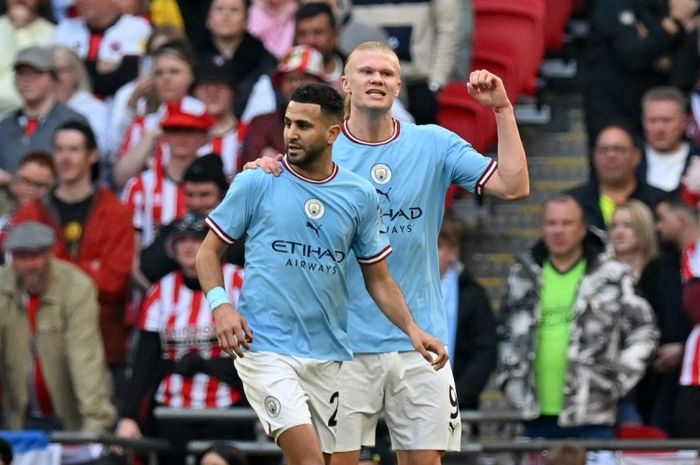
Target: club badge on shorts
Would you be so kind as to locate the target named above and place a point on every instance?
(272, 405)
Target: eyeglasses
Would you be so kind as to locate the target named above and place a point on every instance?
(33, 184)
(612, 149)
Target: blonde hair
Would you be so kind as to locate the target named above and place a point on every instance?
(643, 226)
(373, 46)
(76, 66)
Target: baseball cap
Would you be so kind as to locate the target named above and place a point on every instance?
(39, 58)
(207, 168)
(31, 236)
(301, 58)
(191, 224)
(187, 113)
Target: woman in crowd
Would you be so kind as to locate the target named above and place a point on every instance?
(245, 58)
(75, 90)
(174, 74)
(634, 241)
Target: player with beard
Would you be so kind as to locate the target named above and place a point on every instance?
(299, 229)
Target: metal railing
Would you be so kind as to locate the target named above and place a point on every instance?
(148, 446)
(263, 446)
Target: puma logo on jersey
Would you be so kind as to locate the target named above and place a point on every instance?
(314, 228)
(384, 194)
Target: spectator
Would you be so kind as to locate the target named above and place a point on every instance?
(426, 37)
(23, 25)
(316, 27)
(176, 341)
(634, 242)
(615, 160)
(51, 306)
(93, 232)
(472, 342)
(272, 21)
(232, 46)
(577, 336)
(31, 127)
(205, 185)
(35, 175)
(156, 195)
(630, 49)
(174, 75)
(667, 153)
(194, 14)
(217, 90)
(302, 65)
(352, 31)
(138, 97)
(75, 90)
(110, 43)
(223, 454)
(678, 223)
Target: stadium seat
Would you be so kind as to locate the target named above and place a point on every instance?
(557, 15)
(515, 28)
(460, 113)
(502, 65)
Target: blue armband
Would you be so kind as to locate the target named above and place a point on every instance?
(216, 297)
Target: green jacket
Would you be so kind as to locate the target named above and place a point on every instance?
(69, 346)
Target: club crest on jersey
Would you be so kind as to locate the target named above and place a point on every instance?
(381, 174)
(314, 209)
(272, 405)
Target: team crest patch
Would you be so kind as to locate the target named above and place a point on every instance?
(314, 209)
(381, 174)
(272, 405)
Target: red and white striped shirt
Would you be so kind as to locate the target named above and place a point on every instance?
(690, 370)
(156, 200)
(183, 318)
(227, 145)
(139, 127)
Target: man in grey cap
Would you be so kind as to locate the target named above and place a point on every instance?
(31, 127)
(50, 335)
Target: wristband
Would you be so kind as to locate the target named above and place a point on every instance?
(216, 297)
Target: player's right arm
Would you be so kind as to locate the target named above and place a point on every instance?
(388, 296)
(232, 330)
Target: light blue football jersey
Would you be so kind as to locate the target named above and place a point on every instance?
(300, 237)
(411, 172)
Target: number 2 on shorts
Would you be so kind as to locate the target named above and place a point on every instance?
(334, 399)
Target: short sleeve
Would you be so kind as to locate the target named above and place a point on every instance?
(231, 218)
(369, 244)
(152, 310)
(133, 197)
(466, 166)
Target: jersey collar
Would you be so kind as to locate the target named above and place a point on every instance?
(394, 135)
(289, 168)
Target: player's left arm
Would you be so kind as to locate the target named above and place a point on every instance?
(387, 295)
(510, 180)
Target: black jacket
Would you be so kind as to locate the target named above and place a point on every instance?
(588, 195)
(476, 343)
